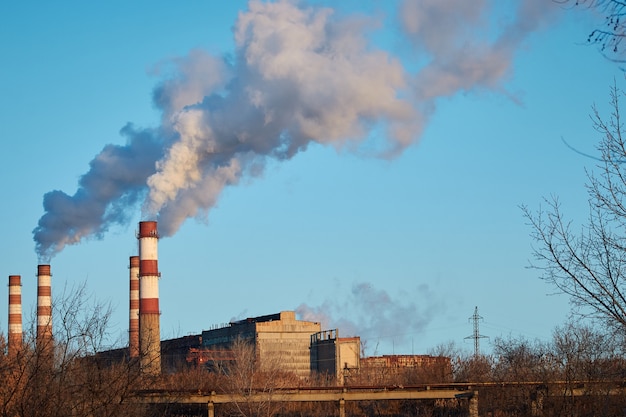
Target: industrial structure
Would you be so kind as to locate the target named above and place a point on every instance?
(149, 313)
(297, 347)
(335, 357)
(15, 314)
(133, 308)
(412, 369)
(476, 336)
(332, 367)
(44, 309)
(275, 338)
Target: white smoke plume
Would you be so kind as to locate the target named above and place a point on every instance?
(299, 75)
(465, 52)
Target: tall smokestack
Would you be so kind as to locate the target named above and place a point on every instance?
(15, 314)
(149, 327)
(133, 326)
(44, 308)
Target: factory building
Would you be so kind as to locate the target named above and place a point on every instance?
(175, 352)
(276, 338)
(411, 369)
(334, 357)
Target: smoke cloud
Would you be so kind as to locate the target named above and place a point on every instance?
(466, 53)
(299, 75)
(116, 181)
(379, 316)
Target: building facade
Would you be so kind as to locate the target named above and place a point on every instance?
(334, 357)
(277, 339)
(406, 369)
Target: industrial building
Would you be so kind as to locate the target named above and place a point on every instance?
(275, 338)
(335, 357)
(298, 347)
(411, 369)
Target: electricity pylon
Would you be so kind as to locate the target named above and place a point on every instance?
(476, 336)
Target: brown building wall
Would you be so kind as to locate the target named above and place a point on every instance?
(406, 369)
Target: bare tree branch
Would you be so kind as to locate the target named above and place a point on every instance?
(590, 265)
(609, 37)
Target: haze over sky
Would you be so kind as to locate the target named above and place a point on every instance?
(361, 163)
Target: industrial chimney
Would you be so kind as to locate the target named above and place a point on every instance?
(149, 327)
(44, 308)
(15, 315)
(133, 326)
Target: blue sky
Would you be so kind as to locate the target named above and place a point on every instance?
(380, 194)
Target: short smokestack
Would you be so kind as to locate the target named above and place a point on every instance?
(44, 308)
(133, 326)
(149, 326)
(15, 314)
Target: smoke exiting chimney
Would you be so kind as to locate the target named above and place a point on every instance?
(223, 119)
(149, 326)
(133, 326)
(15, 314)
(44, 308)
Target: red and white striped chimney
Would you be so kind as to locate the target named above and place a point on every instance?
(15, 314)
(149, 326)
(44, 307)
(133, 326)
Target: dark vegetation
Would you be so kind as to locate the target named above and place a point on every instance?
(580, 372)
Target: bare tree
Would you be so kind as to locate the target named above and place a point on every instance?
(584, 353)
(590, 266)
(589, 357)
(610, 35)
(68, 378)
(474, 368)
(252, 384)
(522, 360)
(456, 355)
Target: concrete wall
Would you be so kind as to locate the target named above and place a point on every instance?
(349, 352)
(278, 339)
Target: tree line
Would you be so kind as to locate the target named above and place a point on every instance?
(520, 378)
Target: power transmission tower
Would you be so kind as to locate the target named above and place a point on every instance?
(475, 318)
